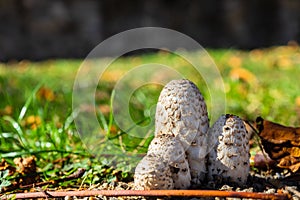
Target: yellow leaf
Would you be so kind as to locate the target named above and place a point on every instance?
(235, 62)
(7, 110)
(298, 101)
(242, 74)
(30, 119)
(33, 122)
(45, 94)
(284, 62)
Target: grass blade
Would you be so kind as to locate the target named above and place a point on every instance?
(103, 120)
(18, 129)
(28, 102)
(111, 115)
(71, 118)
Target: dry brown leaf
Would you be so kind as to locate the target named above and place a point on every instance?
(27, 167)
(281, 143)
(290, 162)
(5, 166)
(276, 133)
(295, 151)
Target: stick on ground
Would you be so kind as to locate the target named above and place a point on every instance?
(153, 193)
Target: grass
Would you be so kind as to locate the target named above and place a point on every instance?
(36, 115)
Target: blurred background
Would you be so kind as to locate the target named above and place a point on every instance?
(43, 29)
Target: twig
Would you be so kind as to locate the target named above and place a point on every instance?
(152, 193)
(258, 140)
(292, 190)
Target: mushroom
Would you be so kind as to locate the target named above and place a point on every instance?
(229, 158)
(164, 167)
(176, 157)
(181, 110)
(153, 173)
(170, 149)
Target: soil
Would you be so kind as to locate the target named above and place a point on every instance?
(267, 181)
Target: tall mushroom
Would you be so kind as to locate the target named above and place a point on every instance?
(181, 110)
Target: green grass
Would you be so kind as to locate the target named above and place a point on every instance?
(36, 115)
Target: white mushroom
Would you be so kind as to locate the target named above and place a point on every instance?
(153, 173)
(181, 110)
(172, 167)
(176, 157)
(170, 149)
(229, 159)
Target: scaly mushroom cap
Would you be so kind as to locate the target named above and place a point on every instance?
(181, 110)
(171, 150)
(153, 173)
(167, 147)
(229, 159)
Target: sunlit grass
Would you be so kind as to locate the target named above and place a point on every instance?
(36, 115)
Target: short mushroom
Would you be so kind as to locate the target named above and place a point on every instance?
(229, 158)
(153, 173)
(164, 167)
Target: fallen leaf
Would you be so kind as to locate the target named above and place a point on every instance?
(27, 167)
(105, 109)
(32, 121)
(45, 93)
(256, 55)
(295, 151)
(235, 62)
(276, 133)
(281, 143)
(243, 74)
(7, 110)
(284, 62)
(5, 166)
(290, 162)
(298, 101)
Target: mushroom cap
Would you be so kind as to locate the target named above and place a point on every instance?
(230, 156)
(181, 111)
(169, 148)
(153, 173)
